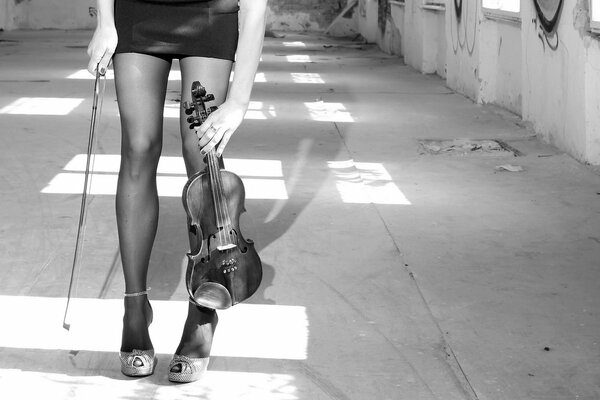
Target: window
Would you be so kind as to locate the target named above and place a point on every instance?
(434, 4)
(400, 3)
(502, 9)
(595, 16)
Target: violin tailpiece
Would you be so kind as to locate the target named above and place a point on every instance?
(229, 268)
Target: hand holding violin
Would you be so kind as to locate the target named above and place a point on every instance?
(219, 126)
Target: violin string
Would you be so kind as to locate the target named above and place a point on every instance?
(222, 198)
(218, 194)
(226, 217)
(212, 190)
(217, 198)
(203, 114)
(228, 223)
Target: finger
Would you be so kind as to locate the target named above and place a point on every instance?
(207, 137)
(206, 125)
(211, 144)
(105, 61)
(93, 64)
(224, 142)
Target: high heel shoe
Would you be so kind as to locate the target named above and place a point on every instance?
(184, 369)
(137, 363)
(190, 369)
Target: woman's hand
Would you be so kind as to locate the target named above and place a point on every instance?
(101, 49)
(220, 126)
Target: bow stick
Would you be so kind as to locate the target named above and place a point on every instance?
(99, 86)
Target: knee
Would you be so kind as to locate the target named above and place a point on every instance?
(140, 155)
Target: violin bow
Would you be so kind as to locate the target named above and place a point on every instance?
(99, 86)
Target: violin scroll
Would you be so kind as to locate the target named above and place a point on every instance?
(198, 105)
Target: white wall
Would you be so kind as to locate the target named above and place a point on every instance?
(592, 103)
(47, 14)
(3, 14)
(506, 62)
(462, 61)
(500, 64)
(417, 34)
(434, 41)
(367, 20)
(560, 88)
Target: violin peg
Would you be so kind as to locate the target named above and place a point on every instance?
(208, 97)
(198, 89)
(213, 108)
(191, 119)
(188, 108)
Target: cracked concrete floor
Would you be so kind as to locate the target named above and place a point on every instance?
(389, 273)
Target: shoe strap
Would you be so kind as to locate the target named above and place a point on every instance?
(137, 293)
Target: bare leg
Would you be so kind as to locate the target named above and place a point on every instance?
(141, 82)
(213, 74)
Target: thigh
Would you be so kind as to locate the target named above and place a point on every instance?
(213, 74)
(141, 84)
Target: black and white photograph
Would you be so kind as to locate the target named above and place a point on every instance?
(300, 200)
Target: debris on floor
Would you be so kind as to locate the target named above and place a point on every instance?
(465, 146)
(509, 168)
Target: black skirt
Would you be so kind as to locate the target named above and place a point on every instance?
(177, 28)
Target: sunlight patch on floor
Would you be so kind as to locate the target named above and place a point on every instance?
(269, 331)
(260, 77)
(174, 165)
(41, 106)
(168, 186)
(263, 179)
(174, 75)
(294, 44)
(298, 58)
(216, 385)
(329, 112)
(363, 183)
(307, 77)
(256, 110)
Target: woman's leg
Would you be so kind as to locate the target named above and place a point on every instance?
(141, 82)
(213, 74)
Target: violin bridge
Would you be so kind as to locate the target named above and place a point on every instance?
(227, 246)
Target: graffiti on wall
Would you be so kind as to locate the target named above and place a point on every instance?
(362, 8)
(546, 22)
(548, 12)
(383, 13)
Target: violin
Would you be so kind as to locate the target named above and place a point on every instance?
(224, 268)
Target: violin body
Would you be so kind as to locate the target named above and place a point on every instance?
(219, 278)
(224, 267)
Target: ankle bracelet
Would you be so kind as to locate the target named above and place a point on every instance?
(137, 293)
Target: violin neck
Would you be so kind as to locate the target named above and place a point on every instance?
(222, 218)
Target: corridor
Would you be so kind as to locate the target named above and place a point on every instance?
(415, 245)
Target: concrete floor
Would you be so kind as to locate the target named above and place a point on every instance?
(390, 273)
